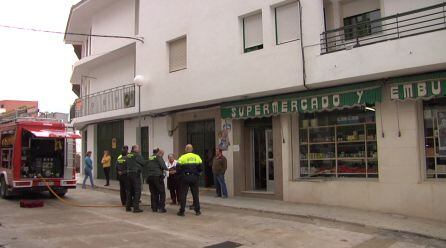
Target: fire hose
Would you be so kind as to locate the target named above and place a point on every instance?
(73, 204)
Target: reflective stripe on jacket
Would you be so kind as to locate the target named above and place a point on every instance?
(190, 163)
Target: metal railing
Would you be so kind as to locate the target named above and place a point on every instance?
(416, 22)
(112, 99)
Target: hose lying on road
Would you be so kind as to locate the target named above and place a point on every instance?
(73, 204)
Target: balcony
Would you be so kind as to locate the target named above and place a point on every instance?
(121, 97)
(371, 31)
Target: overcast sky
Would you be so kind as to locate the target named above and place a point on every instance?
(36, 66)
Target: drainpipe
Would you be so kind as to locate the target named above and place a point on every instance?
(304, 76)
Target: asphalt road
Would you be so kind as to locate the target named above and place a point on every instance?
(59, 225)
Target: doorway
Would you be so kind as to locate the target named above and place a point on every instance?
(262, 154)
(110, 137)
(201, 134)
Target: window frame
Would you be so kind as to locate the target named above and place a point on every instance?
(353, 33)
(433, 109)
(336, 175)
(253, 48)
(276, 26)
(169, 43)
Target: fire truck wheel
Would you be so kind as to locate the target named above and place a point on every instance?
(3, 188)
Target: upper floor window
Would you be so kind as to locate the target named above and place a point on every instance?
(178, 54)
(252, 33)
(361, 25)
(287, 23)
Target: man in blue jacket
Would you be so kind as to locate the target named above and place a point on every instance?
(88, 169)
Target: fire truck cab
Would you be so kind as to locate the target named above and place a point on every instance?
(34, 151)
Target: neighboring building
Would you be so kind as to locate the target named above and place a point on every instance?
(11, 105)
(318, 101)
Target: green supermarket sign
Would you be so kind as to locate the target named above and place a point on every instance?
(310, 101)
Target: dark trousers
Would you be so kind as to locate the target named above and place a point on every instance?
(172, 185)
(133, 190)
(157, 192)
(123, 185)
(186, 181)
(107, 174)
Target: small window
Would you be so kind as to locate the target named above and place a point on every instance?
(178, 55)
(287, 23)
(252, 33)
(362, 25)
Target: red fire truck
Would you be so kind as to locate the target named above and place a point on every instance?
(36, 151)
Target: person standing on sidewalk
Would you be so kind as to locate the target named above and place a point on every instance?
(172, 180)
(135, 165)
(106, 161)
(189, 167)
(88, 170)
(121, 168)
(219, 166)
(155, 178)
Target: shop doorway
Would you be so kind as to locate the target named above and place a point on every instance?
(110, 136)
(201, 134)
(262, 159)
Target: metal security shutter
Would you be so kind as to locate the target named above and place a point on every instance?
(253, 32)
(287, 23)
(178, 55)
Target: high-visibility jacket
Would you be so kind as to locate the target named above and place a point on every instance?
(121, 163)
(189, 163)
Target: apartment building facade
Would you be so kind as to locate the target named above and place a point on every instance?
(336, 102)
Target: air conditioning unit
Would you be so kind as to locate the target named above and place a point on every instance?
(129, 99)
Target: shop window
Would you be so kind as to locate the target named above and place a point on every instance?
(287, 23)
(362, 25)
(435, 138)
(178, 54)
(252, 33)
(340, 143)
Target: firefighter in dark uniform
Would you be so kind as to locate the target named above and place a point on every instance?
(135, 165)
(155, 178)
(189, 167)
(121, 167)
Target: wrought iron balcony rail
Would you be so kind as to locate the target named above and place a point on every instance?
(416, 22)
(112, 99)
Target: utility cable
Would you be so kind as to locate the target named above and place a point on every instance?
(141, 39)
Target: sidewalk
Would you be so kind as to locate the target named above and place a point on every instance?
(393, 222)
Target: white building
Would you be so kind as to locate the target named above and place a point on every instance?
(336, 102)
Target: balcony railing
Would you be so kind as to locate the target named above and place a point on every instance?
(420, 21)
(112, 99)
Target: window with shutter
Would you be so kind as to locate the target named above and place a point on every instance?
(178, 54)
(252, 33)
(287, 23)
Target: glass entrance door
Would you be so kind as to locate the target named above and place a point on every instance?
(262, 159)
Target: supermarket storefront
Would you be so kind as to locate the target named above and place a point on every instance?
(329, 132)
(378, 146)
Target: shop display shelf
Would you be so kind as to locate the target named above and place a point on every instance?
(351, 158)
(321, 159)
(322, 143)
(350, 141)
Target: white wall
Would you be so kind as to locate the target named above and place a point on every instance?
(408, 55)
(158, 135)
(112, 74)
(116, 19)
(216, 67)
